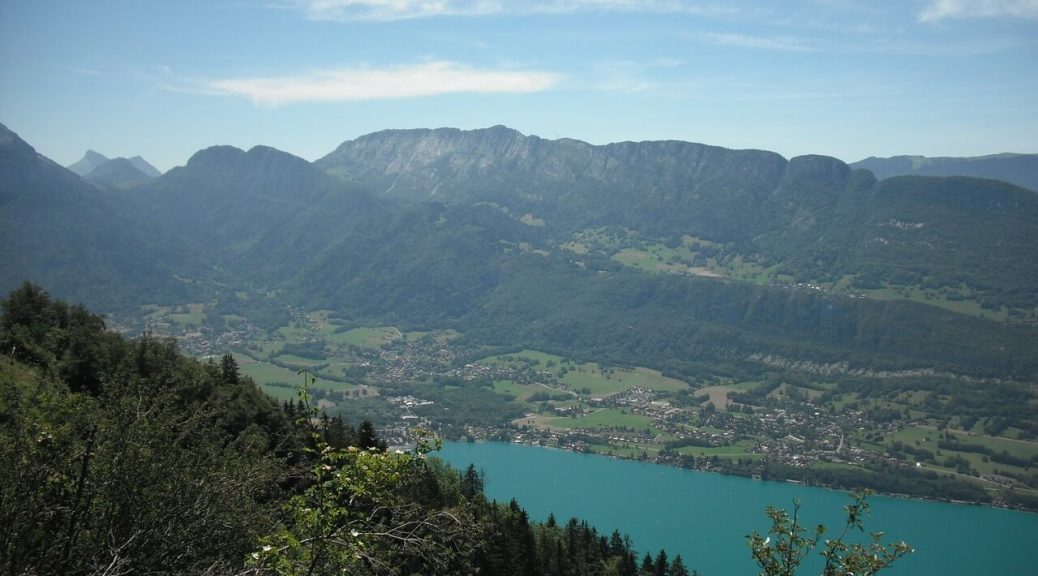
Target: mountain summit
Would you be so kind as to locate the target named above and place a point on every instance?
(92, 167)
(88, 163)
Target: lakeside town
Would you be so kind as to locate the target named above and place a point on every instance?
(802, 432)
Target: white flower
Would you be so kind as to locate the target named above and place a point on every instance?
(767, 540)
(267, 548)
(354, 533)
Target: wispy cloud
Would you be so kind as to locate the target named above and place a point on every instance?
(366, 83)
(781, 43)
(347, 10)
(937, 10)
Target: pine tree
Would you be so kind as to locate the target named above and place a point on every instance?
(368, 439)
(662, 566)
(471, 483)
(677, 567)
(648, 566)
(229, 370)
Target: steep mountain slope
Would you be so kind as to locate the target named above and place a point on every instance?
(815, 217)
(258, 212)
(59, 231)
(497, 281)
(1019, 169)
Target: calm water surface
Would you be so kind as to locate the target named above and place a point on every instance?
(705, 517)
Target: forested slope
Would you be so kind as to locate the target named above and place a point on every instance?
(125, 457)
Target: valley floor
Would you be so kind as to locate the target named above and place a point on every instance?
(791, 426)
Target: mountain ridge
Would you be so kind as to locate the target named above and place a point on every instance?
(1015, 168)
(65, 232)
(118, 173)
(87, 167)
(450, 227)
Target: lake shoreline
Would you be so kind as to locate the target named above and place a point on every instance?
(757, 477)
(706, 517)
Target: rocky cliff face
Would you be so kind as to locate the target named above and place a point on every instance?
(419, 164)
(664, 185)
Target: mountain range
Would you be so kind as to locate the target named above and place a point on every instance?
(521, 241)
(114, 172)
(1019, 169)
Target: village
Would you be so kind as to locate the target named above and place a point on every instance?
(435, 381)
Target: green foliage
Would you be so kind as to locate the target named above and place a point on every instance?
(358, 516)
(793, 542)
(368, 511)
(125, 456)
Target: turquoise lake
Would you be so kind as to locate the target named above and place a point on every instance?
(705, 517)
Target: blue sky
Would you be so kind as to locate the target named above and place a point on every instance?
(845, 78)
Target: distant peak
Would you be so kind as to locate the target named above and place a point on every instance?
(145, 167)
(215, 156)
(90, 160)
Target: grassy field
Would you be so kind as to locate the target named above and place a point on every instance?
(821, 465)
(590, 379)
(186, 315)
(280, 393)
(603, 382)
(294, 333)
(367, 337)
(651, 379)
(968, 307)
(737, 449)
(519, 391)
(927, 437)
(266, 373)
(189, 315)
(625, 451)
(299, 360)
(323, 322)
(534, 357)
(685, 259)
(605, 418)
(718, 395)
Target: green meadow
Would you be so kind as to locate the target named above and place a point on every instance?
(366, 337)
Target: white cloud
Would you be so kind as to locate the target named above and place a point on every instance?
(937, 10)
(391, 9)
(348, 10)
(759, 42)
(365, 83)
